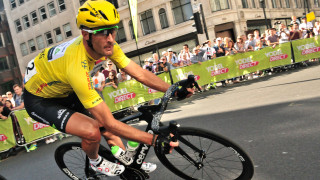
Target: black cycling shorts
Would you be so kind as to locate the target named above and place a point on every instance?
(53, 111)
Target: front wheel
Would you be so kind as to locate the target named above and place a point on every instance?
(204, 155)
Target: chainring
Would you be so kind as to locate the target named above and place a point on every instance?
(133, 174)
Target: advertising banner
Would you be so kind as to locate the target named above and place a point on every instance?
(32, 129)
(306, 49)
(130, 93)
(134, 16)
(7, 139)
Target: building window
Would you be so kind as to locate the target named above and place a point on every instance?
(49, 38)
(21, 2)
(147, 22)
(253, 4)
(52, 9)
(244, 4)
(18, 25)
(288, 3)
(62, 5)
(34, 17)
(8, 36)
(274, 3)
(24, 49)
(3, 64)
(67, 30)
(218, 5)
(182, 10)
(163, 18)
(1, 41)
(26, 22)
(131, 29)
(13, 4)
(43, 13)
(58, 34)
(121, 35)
(32, 45)
(40, 42)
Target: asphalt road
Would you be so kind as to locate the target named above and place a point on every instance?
(275, 119)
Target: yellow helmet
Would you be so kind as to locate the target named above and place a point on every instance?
(96, 13)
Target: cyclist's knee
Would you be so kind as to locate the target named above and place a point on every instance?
(92, 134)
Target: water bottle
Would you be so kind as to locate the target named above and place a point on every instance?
(121, 155)
(131, 148)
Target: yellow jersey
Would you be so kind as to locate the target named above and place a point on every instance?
(60, 70)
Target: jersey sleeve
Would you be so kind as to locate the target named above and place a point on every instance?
(118, 57)
(79, 78)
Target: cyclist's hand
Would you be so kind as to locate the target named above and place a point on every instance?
(165, 144)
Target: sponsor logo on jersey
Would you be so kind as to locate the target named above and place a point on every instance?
(246, 63)
(308, 48)
(3, 137)
(276, 55)
(60, 112)
(97, 100)
(121, 95)
(217, 70)
(90, 83)
(42, 86)
(84, 64)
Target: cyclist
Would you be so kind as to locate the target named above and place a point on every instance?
(59, 91)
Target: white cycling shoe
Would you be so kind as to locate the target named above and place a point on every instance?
(125, 157)
(108, 168)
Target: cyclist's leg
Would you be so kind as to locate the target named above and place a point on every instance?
(88, 130)
(113, 140)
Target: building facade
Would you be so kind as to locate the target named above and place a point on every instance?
(36, 24)
(9, 69)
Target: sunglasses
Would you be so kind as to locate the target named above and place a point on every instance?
(109, 64)
(106, 31)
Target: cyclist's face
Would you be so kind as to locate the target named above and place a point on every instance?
(103, 44)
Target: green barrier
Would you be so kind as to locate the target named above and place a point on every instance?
(131, 92)
(7, 139)
(305, 49)
(31, 129)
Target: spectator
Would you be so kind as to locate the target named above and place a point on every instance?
(18, 97)
(250, 43)
(149, 65)
(218, 47)
(112, 80)
(185, 50)
(197, 56)
(305, 26)
(185, 61)
(284, 34)
(163, 65)
(8, 104)
(123, 76)
(108, 69)
(229, 48)
(146, 63)
(263, 39)
(316, 28)
(4, 111)
(4, 98)
(272, 39)
(172, 59)
(10, 97)
(239, 46)
(210, 52)
(256, 34)
(294, 20)
(155, 57)
(98, 83)
(295, 33)
(259, 45)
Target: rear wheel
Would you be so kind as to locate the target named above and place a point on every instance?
(204, 155)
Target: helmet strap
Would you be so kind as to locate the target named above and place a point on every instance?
(89, 42)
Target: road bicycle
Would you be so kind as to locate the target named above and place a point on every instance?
(201, 154)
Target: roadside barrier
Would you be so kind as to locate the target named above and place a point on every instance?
(130, 93)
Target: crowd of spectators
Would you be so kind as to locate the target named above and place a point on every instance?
(224, 46)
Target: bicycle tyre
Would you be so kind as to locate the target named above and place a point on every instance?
(71, 159)
(226, 153)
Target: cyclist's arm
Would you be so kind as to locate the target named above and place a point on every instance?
(146, 77)
(102, 113)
